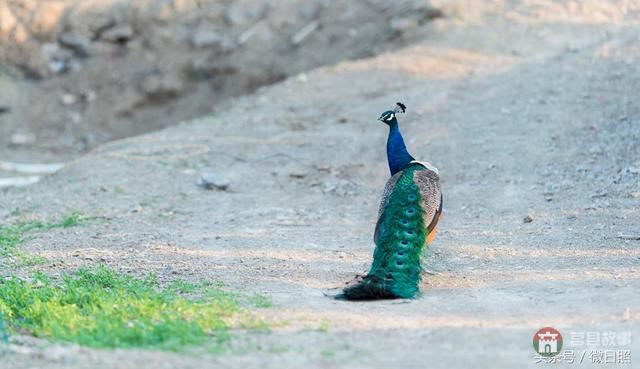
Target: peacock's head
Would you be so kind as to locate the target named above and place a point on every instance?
(389, 116)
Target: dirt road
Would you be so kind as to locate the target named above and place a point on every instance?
(526, 107)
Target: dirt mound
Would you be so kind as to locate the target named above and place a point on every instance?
(79, 73)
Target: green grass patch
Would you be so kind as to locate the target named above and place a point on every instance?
(260, 301)
(12, 236)
(102, 308)
(327, 353)
(324, 325)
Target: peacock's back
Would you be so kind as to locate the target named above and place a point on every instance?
(409, 211)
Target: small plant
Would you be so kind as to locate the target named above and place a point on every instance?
(103, 308)
(327, 353)
(260, 301)
(323, 326)
(71, 220)
(12, 236)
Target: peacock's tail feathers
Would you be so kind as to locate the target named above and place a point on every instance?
(400, 238)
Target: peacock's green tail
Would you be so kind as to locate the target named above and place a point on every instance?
(400, 241)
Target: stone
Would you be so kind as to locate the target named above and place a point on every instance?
(22, 138)
(89, 96)
(601, 193)
(57, 66)
(401, 25)
(68, 99)
(340, 187)
(162, 87)
(49, 49)
(206, 38)
(78, 44)
(298, 174)
(550, 189)
(633, 170)
(119, 34)
(527, 219)
(210, 180)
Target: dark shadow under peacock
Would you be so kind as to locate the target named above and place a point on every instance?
(409, 211)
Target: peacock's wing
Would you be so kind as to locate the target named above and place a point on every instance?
(428, 182)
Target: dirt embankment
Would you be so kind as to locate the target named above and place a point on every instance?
(74, 74)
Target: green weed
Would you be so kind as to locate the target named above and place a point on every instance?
(323, 326)
(260, 301)
(103, 308)
(327, 353)
(12, 236)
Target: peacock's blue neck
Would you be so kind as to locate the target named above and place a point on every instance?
(397, 154)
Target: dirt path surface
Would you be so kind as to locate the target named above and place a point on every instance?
(526, 107)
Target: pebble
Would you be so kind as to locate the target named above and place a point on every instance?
(549, 189)
(20, 138)
(89, 96)
(119, 34)
(632, 170)
(68, 99)
(401, 25)
(49, 49)
(340, 187)
(210, 180)
(58, 66)
(298, 174)
(629, 237)
(595, 150)
(79, 44)
(572, 49)
(161, 87)
(600, 194)
(208, 38)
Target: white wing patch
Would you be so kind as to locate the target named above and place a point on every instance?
(427, 165)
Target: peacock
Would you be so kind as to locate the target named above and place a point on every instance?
(410, 208)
